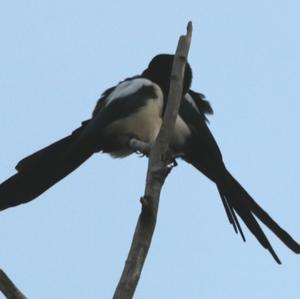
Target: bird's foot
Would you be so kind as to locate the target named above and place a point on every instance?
(140, 147)
(172, 163)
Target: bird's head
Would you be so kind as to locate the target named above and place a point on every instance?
(159, 71)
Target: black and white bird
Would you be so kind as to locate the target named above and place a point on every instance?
(134, 109)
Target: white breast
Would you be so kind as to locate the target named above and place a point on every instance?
(181, 132)
(143, 124)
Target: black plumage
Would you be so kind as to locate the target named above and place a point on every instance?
(134, 109)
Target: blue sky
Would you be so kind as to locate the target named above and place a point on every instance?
(56, 58)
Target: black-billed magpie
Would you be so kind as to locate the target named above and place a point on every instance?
(133, 109)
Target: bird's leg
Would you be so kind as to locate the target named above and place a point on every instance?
(143, 149)
(173, 162)
(140, 147)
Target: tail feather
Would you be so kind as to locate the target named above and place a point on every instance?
(42, 170)
(264, 217)
(240, 202)
(238, 206)
(45, 156)
(48, 154)
(231, 215)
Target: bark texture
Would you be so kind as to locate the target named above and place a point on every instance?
(158, 170)
(8, 288)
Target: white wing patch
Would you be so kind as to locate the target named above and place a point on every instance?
(128, 87)
(190, 99)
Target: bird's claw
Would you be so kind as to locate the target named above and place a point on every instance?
(173, 163)
(140, 154)
(140, 147)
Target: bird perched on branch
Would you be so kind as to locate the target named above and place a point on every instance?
(133, 109)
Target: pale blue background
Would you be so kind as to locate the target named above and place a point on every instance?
(56, 57)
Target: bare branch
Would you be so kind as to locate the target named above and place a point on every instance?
(8, 288)
(156, 175)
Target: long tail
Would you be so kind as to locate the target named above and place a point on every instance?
(236, 200)
(41, 170)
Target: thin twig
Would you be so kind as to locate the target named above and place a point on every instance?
(8, 288)
(157, 172)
